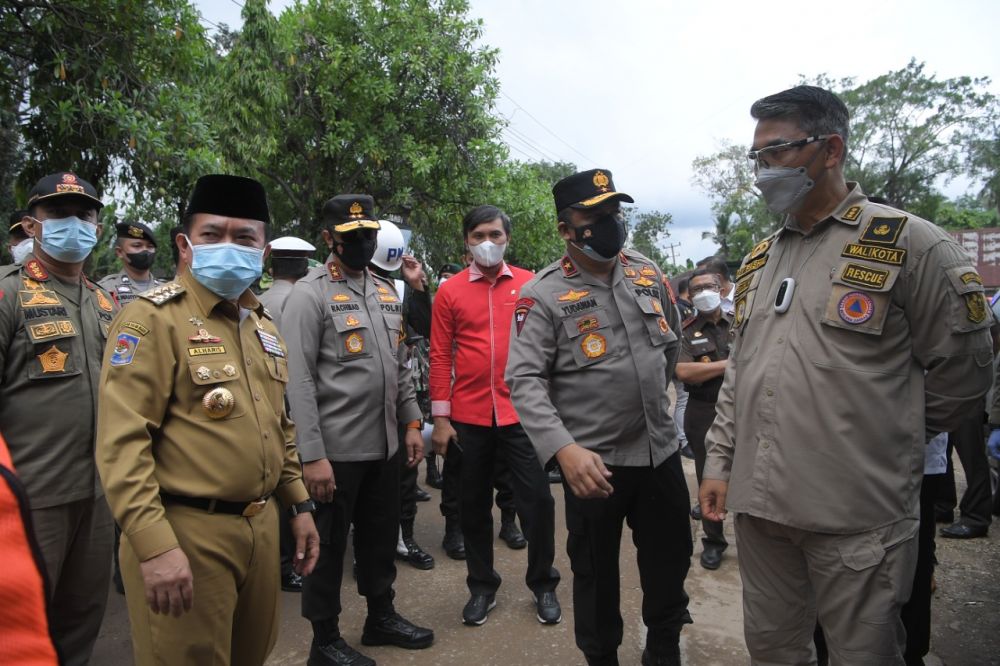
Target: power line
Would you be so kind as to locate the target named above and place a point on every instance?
(542, 150)
(540, 124)
(538, 155)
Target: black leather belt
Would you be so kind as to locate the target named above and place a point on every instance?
(248, 509)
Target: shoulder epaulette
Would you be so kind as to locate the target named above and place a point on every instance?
(336, 275)
(160, 295)
(9, 269)
(690, 320)
(554, 266)
(267, 314)
(35, 270)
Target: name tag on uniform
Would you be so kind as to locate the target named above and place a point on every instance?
(270, 343)
(699, 341)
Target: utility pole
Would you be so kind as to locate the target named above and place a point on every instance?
(673, 255)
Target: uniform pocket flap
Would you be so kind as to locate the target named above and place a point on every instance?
(859, 555)
(650, 305)
(348, 322)
(577, 325)
(278, 369)
(964, 280)
(205, 372)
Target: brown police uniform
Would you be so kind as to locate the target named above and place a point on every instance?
(350, 386)
(590, 363)
(704, 341)
(192, 432)
(822, 417)
(52, 338)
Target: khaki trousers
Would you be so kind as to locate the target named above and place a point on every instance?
(234, 619)
(76, 543)
(857, 583)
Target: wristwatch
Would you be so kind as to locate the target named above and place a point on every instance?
(302, 507)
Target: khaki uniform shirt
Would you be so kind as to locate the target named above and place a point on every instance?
(274, 299)
(590, 363)
(52, 337)
(159, 428)
(704, 342)
(125, 289)
(351, 381)
(822, 416)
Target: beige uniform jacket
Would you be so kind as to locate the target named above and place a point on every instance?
(822, 415)
(590, 363)
(170, 352)
(350, 382)
(124, 289)
(52, 338)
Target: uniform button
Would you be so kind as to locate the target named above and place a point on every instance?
(765, 445)
(249, 361)
(266, 436)
(256, 396)
(807, 240)
(780, 340)
(770, 392)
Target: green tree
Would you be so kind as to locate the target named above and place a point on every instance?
(647, 233)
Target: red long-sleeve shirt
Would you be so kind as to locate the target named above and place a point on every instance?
(470, 334)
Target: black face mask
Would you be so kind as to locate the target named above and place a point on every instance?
(357, 252)
(140, 260)
(603, 238)
(289, 267)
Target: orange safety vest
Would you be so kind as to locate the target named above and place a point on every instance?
(24, 625)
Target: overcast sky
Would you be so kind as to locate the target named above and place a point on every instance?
(642, 87)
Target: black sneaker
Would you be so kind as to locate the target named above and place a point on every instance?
(668, 657)
(477, 608)
(422, 495)
(547, 605)
(394, 629)
(291, 582)
(337, 653)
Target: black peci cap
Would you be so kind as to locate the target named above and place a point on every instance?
(586, 189)
(63, 184)
(231, 196)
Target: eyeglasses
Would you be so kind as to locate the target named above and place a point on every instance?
(757, 156)
(702, 287)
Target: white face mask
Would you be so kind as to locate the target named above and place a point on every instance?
(22, 250)
(488, 254)
(707, 301)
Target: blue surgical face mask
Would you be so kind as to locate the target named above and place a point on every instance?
(226, 269)
(68, 239)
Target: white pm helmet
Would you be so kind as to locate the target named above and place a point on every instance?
(389, 246)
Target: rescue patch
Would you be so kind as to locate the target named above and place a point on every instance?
(134, 326)
(856, 307)
(354, 344)
(882, 255)
(750, 267)
(53, 360)
(851, 214)
(572, 296)
(594, 345)
(521, 310)
(863, 276)
(124, 350)
(587, 323)
(883, 231)
(204, 351)
(975, 303)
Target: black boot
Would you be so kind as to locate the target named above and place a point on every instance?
(433, 479)
(510, 533)
(408, 550)
(454, 542)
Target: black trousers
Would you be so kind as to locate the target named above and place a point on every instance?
(916, 613)
(481, 447)
(976, 505)
(286, 542)
(654, 503)
(407, 488)
(451, 472)
(698, 418)
(367, 495)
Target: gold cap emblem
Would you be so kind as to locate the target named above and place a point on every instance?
(601, 181)
(356, 209)
(135, 232)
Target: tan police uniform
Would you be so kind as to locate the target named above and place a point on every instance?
(590, 363)
(822, 418)
(125, 289)
(192, 413)
(274, 299)
(52, 338)
(350, 386)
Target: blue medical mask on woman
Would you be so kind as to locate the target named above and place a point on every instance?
(68, 239)
(226, 269)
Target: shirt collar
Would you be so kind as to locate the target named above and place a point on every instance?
(848, 211)
(476, 274)
(208, 300)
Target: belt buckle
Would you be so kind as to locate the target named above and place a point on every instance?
(254, 507)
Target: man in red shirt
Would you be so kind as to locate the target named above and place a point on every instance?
(474, 418)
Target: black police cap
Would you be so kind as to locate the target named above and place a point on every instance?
(63, 184)
(586, 189)
(135, 230)
(230, 196)
(350, 212)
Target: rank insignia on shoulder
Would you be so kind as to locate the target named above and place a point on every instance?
(124, 351)
(852, 213)
(572, 296)
(568, 268)
(355, 344)
(975, 303)
(162, 294)
(53, 360)
(340, 298)
(883, 231)
(856, 307)
(521, 310)
(35, 269)
(594, 345)
(629, 272)
(335, 273)
(759, 249)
